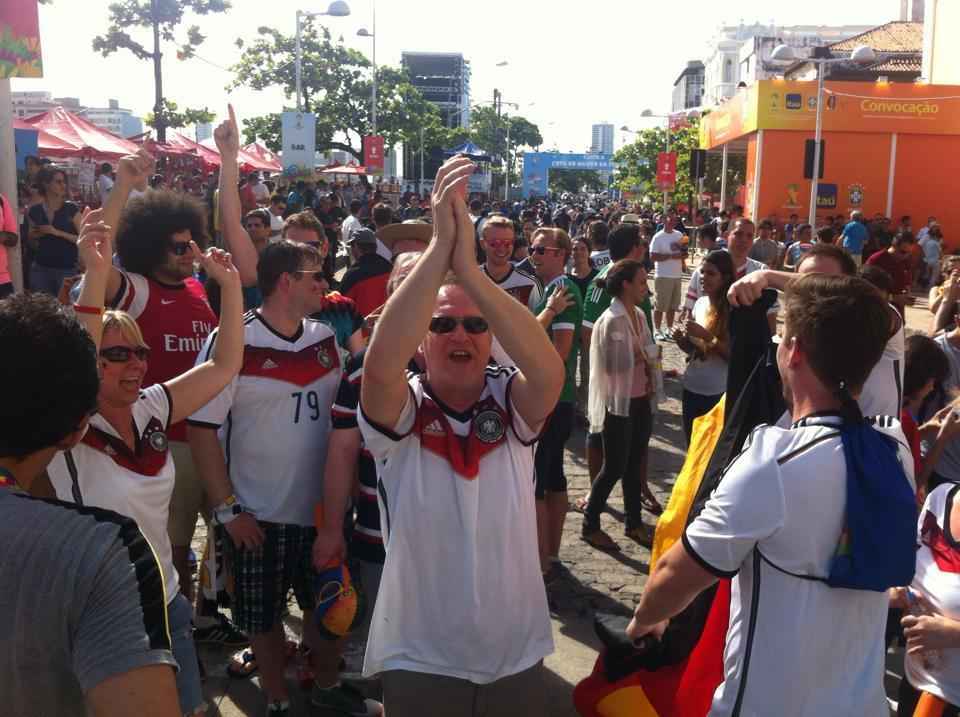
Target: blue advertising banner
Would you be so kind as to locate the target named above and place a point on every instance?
(25, 144)
(537, 166)
(298, 132)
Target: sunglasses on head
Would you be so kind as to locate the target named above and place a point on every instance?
(541, 250)
(179, 248)
(122, 354)
(446, 324)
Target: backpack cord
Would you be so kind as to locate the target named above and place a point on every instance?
(849, 408)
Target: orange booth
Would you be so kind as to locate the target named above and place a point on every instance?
(889, 148)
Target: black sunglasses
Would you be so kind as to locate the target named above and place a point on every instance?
(446, 324)
(122, 354)
(541, 250)
(179, 248)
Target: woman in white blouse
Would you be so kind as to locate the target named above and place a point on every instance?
(621, 385)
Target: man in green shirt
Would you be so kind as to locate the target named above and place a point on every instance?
(549, 250)
(624, 243)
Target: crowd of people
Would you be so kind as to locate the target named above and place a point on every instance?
(408, 418)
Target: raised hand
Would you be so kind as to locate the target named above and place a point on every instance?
(745, 291)
(451, 184)
(227, 135)
(217, 264)
(136, 169)
(93, 244)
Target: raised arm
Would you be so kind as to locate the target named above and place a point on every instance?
(406, 315)
(537, 387)
(133, 171)
(96, 252)
(227, 137)
(747, 290)
(195, 388)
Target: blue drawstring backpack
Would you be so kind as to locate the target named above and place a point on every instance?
(877, 548)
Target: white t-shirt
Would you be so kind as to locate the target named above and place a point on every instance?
(600, 258)
(461, 593)
(949, 464)
(104, 187)
(667, 243)
(348, 225)
(707, 377)
(792, 644)
(276, 225)
(135, 484)
(274, 418)
(882, 394)
(261, 192)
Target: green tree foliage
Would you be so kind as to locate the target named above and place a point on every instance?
(173, 117)
(162, 18)
(336, 87)
(574, 180)
(637, 164)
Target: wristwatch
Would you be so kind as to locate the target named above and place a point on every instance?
(228, 510)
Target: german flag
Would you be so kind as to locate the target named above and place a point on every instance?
(678, 675)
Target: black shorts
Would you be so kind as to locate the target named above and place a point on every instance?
(548, 460)
(264, 576)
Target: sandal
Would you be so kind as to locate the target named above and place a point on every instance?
(601, 541)
(642, 534)
(243, 664)
(649, 501)
(580, 504)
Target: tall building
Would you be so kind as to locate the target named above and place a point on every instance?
(114, 118)
(601, 141)
(27, 104)
(741, 53)
(443, 78)
(688, 87)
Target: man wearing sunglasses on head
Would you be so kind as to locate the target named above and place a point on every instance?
(461, 618)
(497, 237)
(263, 471)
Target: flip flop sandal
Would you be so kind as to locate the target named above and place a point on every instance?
(580, 504)
(243, 664)
(601, 541)
(649, 501)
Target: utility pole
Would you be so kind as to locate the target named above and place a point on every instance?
(158, 109)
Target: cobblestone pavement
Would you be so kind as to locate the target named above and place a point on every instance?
(592, 580)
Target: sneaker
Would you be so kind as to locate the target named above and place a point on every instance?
(222, 632)
(345, 699)
(278, 709)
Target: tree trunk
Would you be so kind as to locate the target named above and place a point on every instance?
(158, 108)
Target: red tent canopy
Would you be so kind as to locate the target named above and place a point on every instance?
(47, 144)
(344, 169)
(248, 161)
(80, 136)
(269, 161)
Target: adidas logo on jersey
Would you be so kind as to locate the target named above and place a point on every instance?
(435, 428)
(270, 363)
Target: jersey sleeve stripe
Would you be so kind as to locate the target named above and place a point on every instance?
(701, 561)
(202, 424)
(564, 326)
(169, 405)
(388, 432)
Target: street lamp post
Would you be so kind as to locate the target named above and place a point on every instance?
(362, 32)
(862, 55)
(337, 8)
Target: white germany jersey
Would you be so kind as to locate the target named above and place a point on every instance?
(461, 593)
(793, 646)
(274, 418)
(525, 288)
(137, 484)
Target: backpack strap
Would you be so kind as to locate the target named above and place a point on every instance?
(773, 565)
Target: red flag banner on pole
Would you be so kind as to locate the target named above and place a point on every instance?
(373, 154)
(666, 170)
